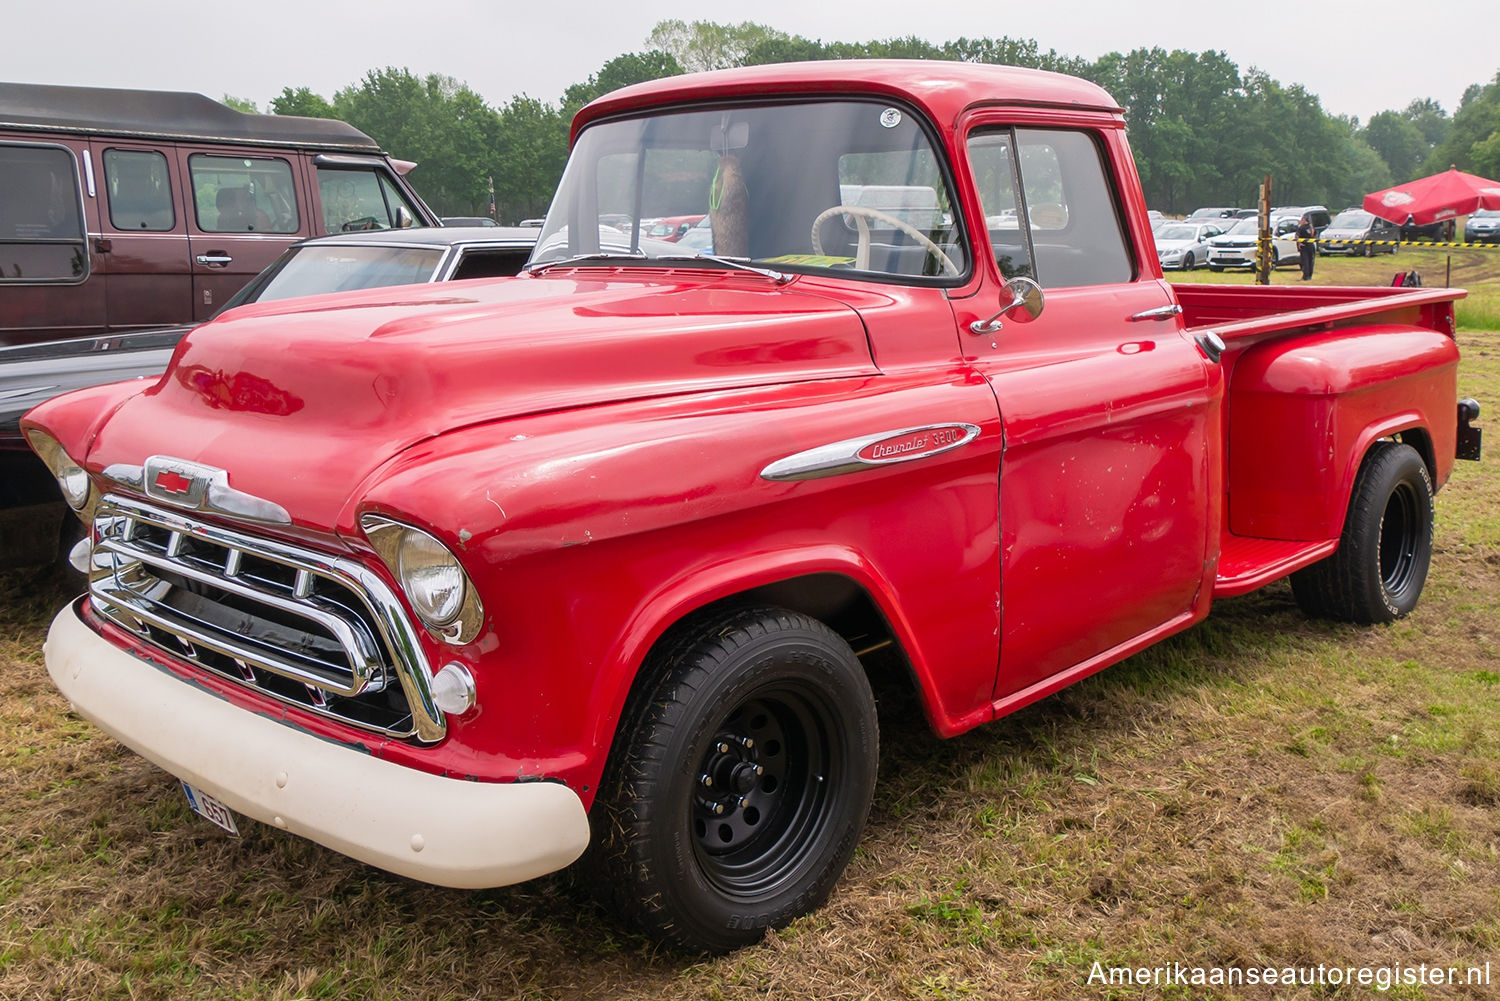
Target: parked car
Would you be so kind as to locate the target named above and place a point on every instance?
(462, 583)
(1235, 248)
(32, 512)
(1483, 226)
(468, 220)
(1184, 245)
(1212, 212)
(1355, 231)
(125, 210)
(531, 223)
(673, 228)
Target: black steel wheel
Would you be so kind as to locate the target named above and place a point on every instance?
(740, 780)
(1380, 566)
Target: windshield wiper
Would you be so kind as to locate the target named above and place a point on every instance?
(604, 255)
(779, 277)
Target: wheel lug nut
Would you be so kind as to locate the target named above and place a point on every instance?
(718, 809)
(759, 770)
(706, 781)
(721, 747)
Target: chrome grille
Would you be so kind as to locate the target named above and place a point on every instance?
(314, 630)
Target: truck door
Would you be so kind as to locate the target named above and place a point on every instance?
(143, 236)
(1110, 412)
(243, 212)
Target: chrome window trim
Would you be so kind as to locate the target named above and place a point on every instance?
(397, 632)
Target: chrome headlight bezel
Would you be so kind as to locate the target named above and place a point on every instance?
(74, 482)
(412, 554)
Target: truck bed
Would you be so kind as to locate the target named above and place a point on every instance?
(1258, 544)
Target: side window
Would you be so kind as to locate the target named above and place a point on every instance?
(139, 190)
(41, 221)
(1075, 229)
(233, 194)
(995, 176)
(357, 198)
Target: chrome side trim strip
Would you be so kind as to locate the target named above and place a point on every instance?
(871, 451)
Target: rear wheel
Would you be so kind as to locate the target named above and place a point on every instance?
(740, 781)
(1377, 572)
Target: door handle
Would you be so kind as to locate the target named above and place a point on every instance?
(1159, 313)
(215, 258)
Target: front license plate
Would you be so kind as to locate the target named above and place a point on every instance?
(206, 806)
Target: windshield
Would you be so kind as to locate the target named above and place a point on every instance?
(1352, 220)
(1178, 232)
(1248, 225)
(827, 185)
(1485, 214)
(319, 268)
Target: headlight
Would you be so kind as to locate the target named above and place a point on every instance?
(71, 478)
(430, 576)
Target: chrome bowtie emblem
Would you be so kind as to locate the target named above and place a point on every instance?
(173, 482)
(197, 487)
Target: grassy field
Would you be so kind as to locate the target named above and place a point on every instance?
(1262, 790)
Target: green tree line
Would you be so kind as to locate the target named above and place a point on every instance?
(1203, 131)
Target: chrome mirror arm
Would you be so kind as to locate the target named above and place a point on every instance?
(1026, 295)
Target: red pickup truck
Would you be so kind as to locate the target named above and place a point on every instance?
(464, 580)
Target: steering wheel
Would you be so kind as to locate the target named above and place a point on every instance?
(859, 213)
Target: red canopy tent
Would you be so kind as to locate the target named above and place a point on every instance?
(1434, 199)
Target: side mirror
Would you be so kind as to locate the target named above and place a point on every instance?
(403, 218)
(1026, 302)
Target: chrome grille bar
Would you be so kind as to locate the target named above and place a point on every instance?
(253, 610)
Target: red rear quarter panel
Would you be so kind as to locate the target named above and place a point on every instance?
(1304, 410)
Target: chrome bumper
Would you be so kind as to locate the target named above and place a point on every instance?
(438, 830)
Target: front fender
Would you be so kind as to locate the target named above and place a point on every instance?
(589, 534)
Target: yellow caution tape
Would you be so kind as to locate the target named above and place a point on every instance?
(1402, 243)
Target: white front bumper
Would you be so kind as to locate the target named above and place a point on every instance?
(438, 830)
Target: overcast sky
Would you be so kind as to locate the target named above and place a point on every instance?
(1359, 56)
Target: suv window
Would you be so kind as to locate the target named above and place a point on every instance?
(235, 194)
(358, 199)
(41, 220)
(139, 189)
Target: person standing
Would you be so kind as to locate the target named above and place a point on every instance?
(1305, 246)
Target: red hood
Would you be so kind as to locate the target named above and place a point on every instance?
(301, 400)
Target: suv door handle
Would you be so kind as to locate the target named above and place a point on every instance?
(215, 258)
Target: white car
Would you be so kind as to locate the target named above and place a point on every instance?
(1236, 248)
(1185, 244)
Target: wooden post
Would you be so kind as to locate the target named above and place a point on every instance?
(1263, 251)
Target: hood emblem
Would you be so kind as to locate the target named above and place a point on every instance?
(172, 482)
(197, 487)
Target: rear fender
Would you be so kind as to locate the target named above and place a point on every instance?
(1305, 410)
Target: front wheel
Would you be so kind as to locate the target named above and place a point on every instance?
(1377, 572)
(740, 780)
(1188, 263)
